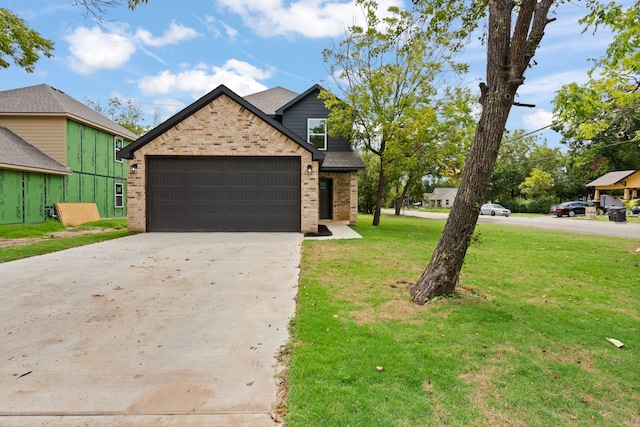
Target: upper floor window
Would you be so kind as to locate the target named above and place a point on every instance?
(117, 146)
(317, 133)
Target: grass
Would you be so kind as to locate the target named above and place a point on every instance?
(115, 228)
(522, 344)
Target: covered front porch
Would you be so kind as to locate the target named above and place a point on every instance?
(626, 181)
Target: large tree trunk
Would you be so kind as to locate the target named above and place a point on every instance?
(507, 58)
(380, 195)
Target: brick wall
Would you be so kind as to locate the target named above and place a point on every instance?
(345, 195)
(223, 128)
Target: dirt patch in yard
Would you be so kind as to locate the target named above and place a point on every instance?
(7, 243)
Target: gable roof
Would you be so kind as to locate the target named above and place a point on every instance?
(443, 193)
(127, 152)
(46, 100)
(18, 154)
(611, 178)
(314, 88)
(270, 100)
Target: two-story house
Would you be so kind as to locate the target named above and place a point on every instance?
(54, 149)
(264, 162)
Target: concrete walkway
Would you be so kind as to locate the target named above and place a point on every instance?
(339, 230)
(151, 329)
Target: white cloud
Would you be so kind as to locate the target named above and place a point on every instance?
(239, 76)
(173, 35)
(212, 24)
(537, 120)
(93, 49)
(307, 18)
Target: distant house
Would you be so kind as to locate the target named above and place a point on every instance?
(442, 197)
(626, 181)
(264, 162)
(55, 149)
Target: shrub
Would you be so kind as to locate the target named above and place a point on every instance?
(537, 205)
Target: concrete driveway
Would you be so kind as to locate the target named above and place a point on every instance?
(150, 329)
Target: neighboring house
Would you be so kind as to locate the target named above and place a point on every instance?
(442, 197)
(55, 149)
(226, 163)
(628, 181)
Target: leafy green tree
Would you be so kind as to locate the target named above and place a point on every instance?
(387, 73)
(514, 32)
(20, 43)
(599, 120)
(367, 183)
(24, 46)
(512, 166)
(539, 183)
(436, 147)
(127, 114)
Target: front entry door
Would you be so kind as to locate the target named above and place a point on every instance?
(326, 201)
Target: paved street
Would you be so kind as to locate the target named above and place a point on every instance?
(549, 222)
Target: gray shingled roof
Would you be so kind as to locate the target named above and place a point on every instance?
(268, 101)
(443, 193)
(44, 99)
(611, 178)
(16, 153)
(341, 160)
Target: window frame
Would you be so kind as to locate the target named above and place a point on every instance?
(310, 134)
(118, 195)
(117, 147)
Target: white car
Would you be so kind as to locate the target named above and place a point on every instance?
(494, 209)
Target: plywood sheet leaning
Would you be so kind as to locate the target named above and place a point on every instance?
(77, 213)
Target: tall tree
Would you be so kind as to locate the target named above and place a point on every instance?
(519, 155)
(599, 120)
(538, 183)
(441, 142)
(514, 32)
(127, 114)
(20, 43)
(387, 73)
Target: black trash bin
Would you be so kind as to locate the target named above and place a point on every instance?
(617, 214)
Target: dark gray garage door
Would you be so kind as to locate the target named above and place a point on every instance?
(223, 193)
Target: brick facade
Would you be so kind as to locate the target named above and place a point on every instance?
(224, 128)
(345, 195)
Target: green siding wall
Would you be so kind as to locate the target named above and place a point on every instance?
(33, 184)
(11, 207)
(24, 196)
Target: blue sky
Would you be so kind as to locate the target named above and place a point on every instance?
(168, 53)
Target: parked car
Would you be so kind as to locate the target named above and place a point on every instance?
(494, 209)
(635, 210)
(569, 209)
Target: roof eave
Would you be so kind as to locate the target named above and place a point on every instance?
(280, 111)
(341, 169)
(34, 169)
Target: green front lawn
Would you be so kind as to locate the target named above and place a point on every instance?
(522, 344)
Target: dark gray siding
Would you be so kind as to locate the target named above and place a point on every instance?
(295, 118)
